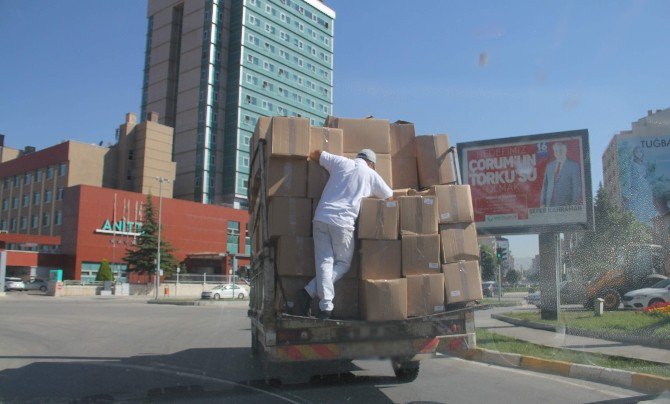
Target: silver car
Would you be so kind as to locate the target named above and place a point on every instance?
(14, 284)
(37, 284)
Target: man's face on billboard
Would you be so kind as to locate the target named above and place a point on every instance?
(560, 152)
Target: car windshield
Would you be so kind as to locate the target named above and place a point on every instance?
(183, 216)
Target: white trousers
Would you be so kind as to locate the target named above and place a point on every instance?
(333, 251)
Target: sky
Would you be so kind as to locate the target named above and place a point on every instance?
(474, 70)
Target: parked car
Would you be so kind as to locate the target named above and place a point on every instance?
(226, 291)
(37, 284)
(14, 284)
(534, 298)
(640, 298)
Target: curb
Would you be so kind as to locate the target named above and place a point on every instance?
(626, 339)
(614, 377)
(196, 302)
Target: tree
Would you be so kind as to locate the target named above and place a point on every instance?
(487, 263)
(512, 277)
(105, 272)
(616, 229)
(141, 258)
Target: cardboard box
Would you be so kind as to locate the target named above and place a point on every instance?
(462, 282)
(287, 177)
(418, 214)
(425, 294)
(289, 217)
(402, 140)
(454, 203)
(288, 136)
(397, 193)
(384, 299)
(346, 301)
(380, 259)
(260, 132)
(434, 160)
(317, 177)
(326, 139)
(404, 172)
(286, 298)
(383, 166)
(366, 133)
(459, 242)
(378, 219)
(420, 254)
(295, 256)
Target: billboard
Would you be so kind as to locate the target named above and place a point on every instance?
(529, 184)
(644, 174)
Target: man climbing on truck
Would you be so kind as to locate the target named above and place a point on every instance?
(334, 220)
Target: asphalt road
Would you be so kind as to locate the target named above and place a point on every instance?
(122, 349)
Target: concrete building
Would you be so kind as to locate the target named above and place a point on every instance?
(32, 184)
(214, 66)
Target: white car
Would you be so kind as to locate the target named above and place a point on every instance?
(641, 298)
(14, 284)
(226, 291)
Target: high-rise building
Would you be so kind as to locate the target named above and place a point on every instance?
(636, 164)
(214, 66)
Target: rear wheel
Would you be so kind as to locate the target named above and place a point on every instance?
(240, 296)
(405, 371)
(217, 296)
(612, 299)
(43, 289)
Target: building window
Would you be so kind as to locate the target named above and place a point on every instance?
(50, 173)
(59, 218)
(35, 221)
(59, 193)
(3, 224)
(13, 228)
(47, 196)
(38, 175)
(36, 198)
(5, 204)
(26, 200)
(15, 202)
(46, 219)
(17, 180)
(130, 154)
(24, 223)
(129, 175)
(26, 178)
(233, 236)
(245, 161)
(62, 169)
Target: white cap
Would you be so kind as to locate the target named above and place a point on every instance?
(368, 155)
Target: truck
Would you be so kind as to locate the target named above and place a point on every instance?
(637, 266)
(280, 337)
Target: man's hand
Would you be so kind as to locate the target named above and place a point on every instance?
(315, 155)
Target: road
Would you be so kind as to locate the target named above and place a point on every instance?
(122, 349)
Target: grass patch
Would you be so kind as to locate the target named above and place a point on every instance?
(613, 322)
(501, 343)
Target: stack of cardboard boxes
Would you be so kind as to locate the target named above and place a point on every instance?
(415, 253)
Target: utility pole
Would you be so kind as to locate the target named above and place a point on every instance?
(160, 180)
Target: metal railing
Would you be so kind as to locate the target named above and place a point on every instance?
(203, 279)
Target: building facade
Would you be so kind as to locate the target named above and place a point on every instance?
(32, 184)
(636, 163)
(214, 66)
(102, 224)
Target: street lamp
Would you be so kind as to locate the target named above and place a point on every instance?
(160, 180)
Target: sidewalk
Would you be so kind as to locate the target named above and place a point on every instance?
(560, 340)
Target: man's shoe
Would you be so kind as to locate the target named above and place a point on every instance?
(304, 302)
(324, 314)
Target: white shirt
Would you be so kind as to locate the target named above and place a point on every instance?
(349, 182)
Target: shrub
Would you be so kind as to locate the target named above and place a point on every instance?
(105, 272)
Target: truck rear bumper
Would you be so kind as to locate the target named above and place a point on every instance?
(409, 349)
